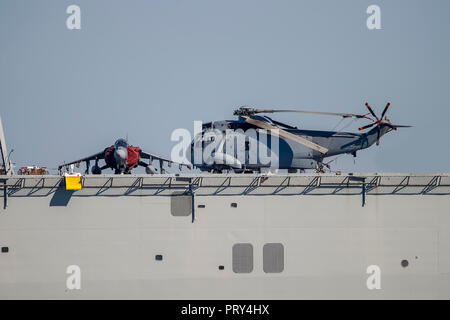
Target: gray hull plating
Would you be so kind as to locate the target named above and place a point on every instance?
(115, 227)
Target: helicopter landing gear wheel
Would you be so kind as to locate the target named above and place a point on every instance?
(320, 168)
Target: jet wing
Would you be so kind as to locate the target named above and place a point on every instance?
(146, 155)
(99, 156)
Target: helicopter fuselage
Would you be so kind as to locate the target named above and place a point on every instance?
(238, 137)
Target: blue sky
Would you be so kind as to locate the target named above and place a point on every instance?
(145, 68)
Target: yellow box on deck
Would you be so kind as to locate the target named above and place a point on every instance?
(73, 183)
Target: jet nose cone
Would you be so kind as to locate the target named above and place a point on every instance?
(121, 154)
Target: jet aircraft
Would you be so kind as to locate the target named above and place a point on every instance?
(122, 158)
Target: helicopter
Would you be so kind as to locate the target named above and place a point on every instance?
(229, 142)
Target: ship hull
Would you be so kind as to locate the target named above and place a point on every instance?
(136, 242)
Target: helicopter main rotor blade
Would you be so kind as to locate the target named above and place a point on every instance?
(285, 134)
(395, 126)
(250, 111)
(378, 136)
(368, 126)
(385, 109)
(371, 111)
(400, 126)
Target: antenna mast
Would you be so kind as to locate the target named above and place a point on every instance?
(4, 153)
